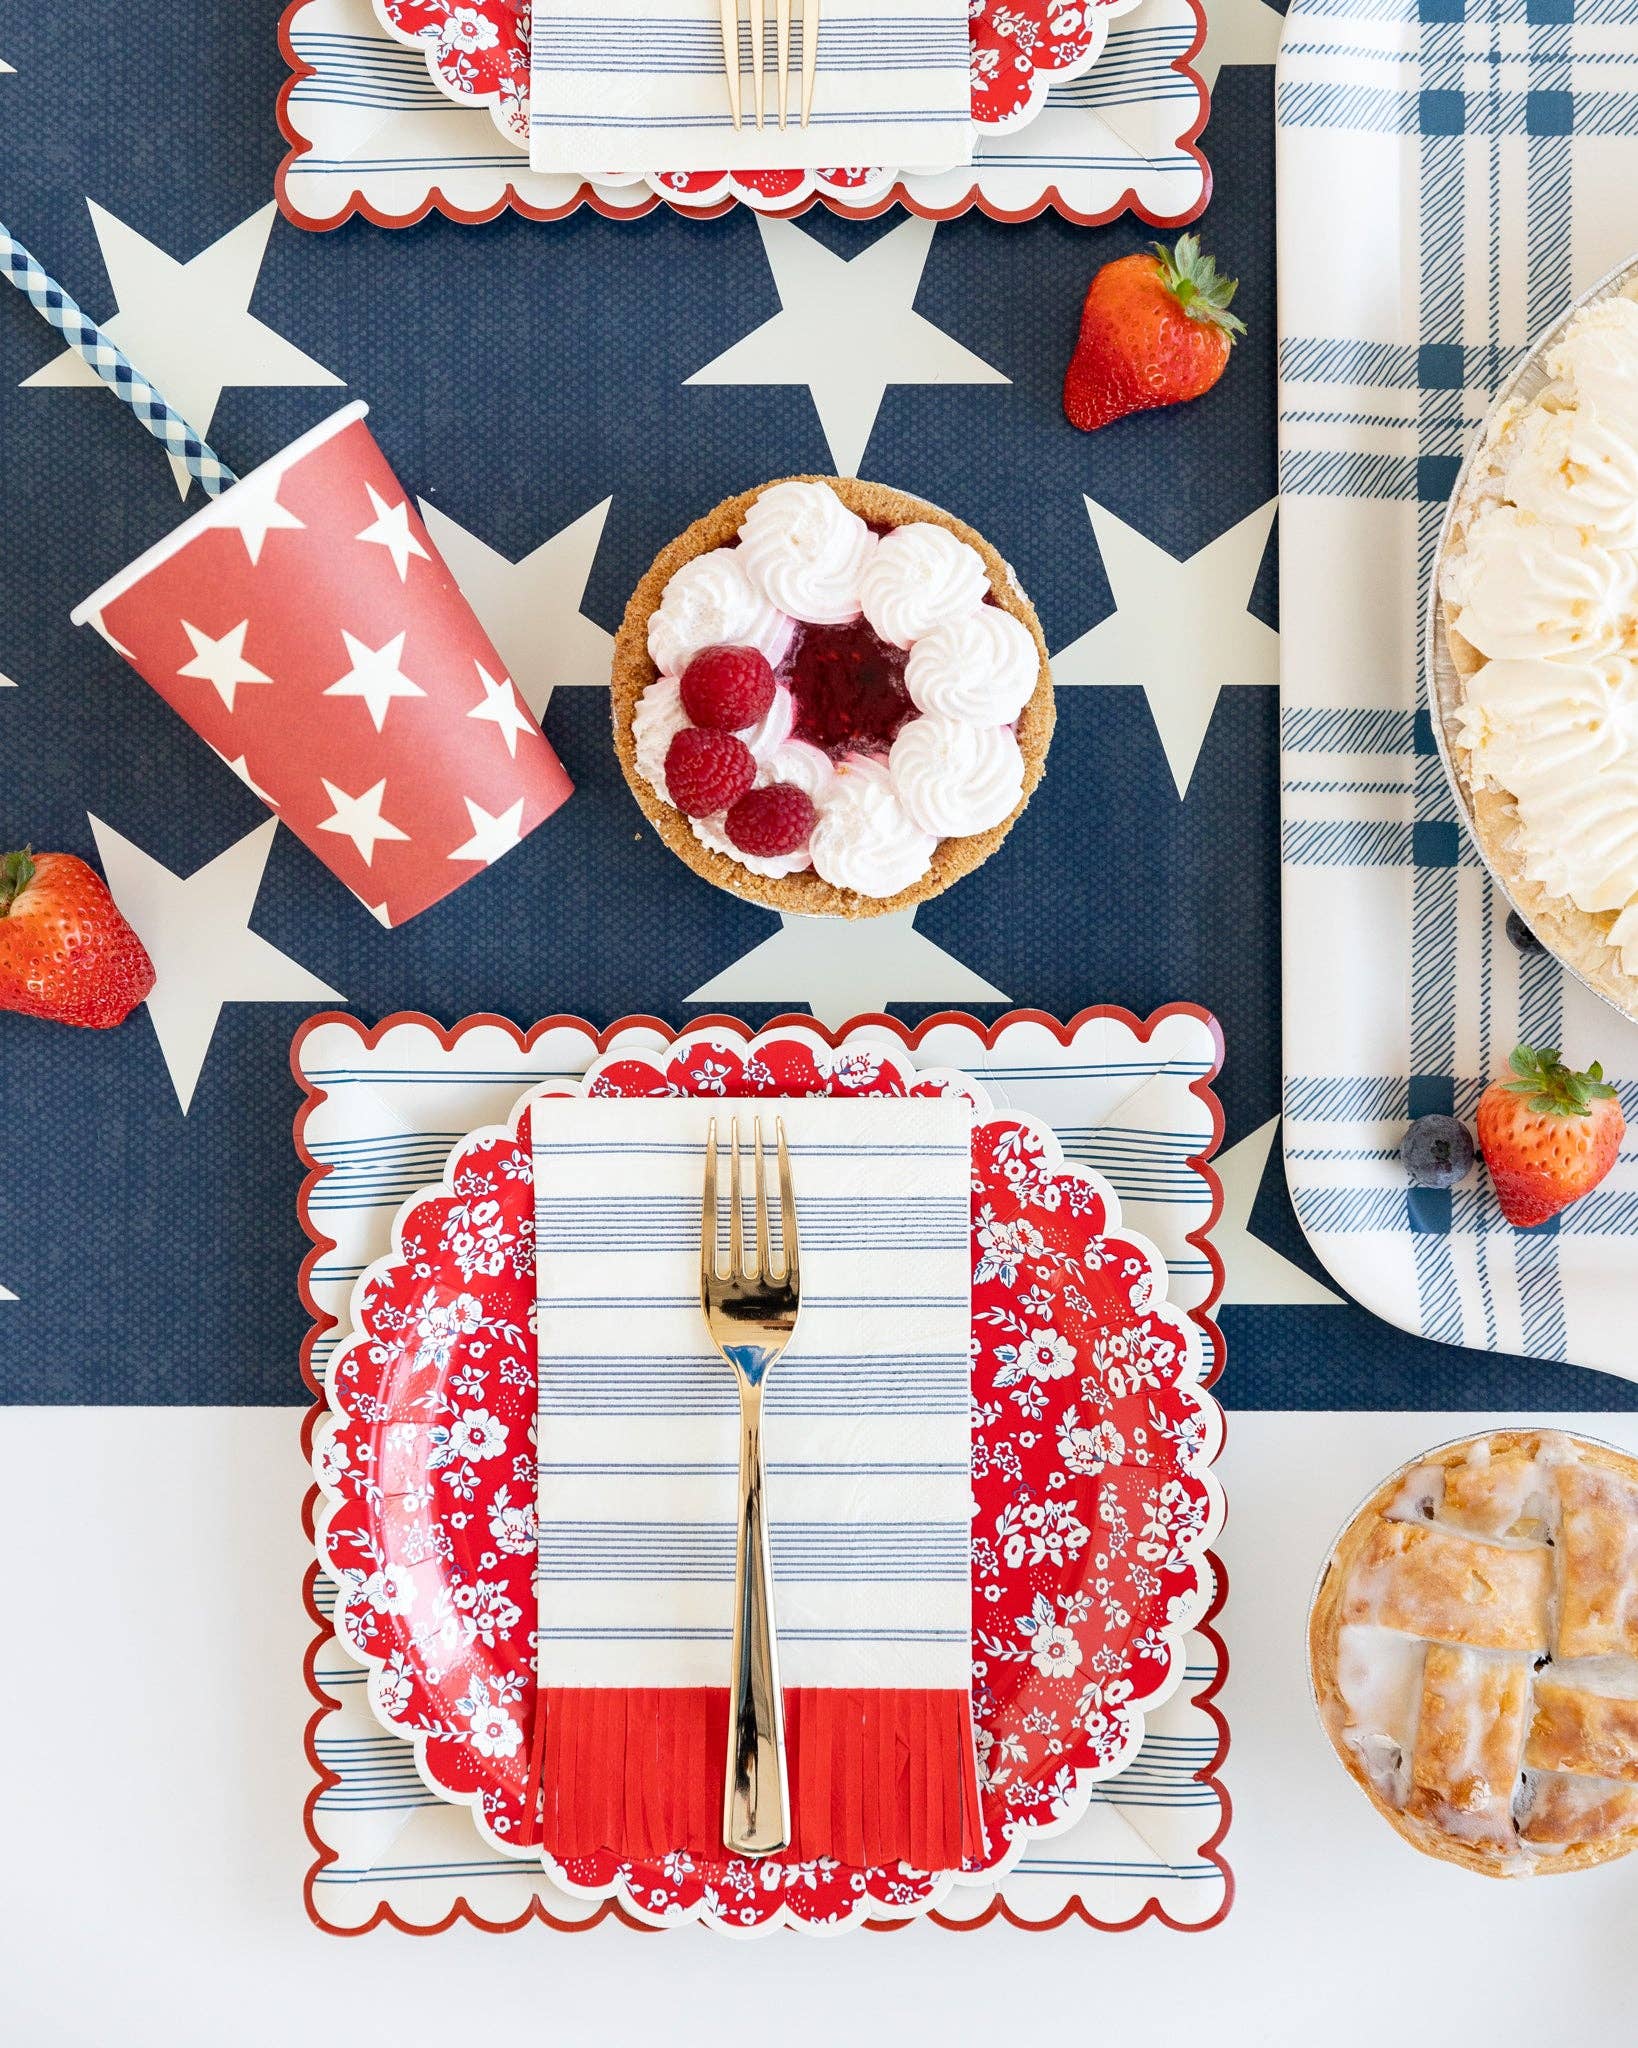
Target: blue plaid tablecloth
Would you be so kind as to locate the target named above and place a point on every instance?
(1450, 177)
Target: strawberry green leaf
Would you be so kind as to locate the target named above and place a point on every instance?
(1192, 279)
(16, 872)
(1552, 1088)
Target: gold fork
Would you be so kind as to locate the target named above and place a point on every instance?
(750, 1312)
(782, 41)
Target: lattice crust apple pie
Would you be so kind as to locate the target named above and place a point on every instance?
(1474, 1648)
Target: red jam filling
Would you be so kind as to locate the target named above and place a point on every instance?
(847, 688)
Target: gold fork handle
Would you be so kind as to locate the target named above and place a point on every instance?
(757, 1798)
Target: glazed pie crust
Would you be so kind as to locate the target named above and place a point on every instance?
(805, 894)
(1489, 1707)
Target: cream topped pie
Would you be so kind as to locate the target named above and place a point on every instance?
(831, 697)
(1474, 1650)
(1539, 586)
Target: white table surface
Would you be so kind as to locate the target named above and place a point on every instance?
(153, 1709)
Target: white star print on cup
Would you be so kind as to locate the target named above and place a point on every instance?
(376, 675)
(253, 512)
(500, 705)
(359, 818)
(491, 837)
(391, 530)
(221, 663)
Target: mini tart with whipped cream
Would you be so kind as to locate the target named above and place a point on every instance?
(912, 703)
(1473, 1645)
(1538, 586)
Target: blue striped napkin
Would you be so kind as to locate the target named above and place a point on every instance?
(643, 89)
(869, 1499)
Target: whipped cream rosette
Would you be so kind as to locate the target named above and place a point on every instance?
(1534, 642)
(891, 678)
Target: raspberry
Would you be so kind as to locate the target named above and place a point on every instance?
(768, 822)
(706, 771)
(727, 688)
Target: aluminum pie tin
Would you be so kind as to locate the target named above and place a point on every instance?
(1396, 1476)
(1442, 684)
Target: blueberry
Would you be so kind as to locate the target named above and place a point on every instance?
(1437, 1152)
(1521, 935)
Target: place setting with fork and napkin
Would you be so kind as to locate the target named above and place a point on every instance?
(769, 1482)
(691, 85)
(678, 1713)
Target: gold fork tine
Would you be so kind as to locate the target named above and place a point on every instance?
(758, 82)
(764, 1251)
(736, 1234)
(708, 1208)
(787, 1211)
(810, 54)
(730, 53)
(782, 38)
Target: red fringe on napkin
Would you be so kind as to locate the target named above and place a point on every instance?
(876, 1776)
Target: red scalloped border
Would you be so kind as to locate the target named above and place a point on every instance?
(911, 1036)
(435, 201)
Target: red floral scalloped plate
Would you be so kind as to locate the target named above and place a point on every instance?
(477, 53)
(1093, 1502)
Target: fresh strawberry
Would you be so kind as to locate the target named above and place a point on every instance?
(65, 951)
(1155, 329)
(1548, 1135)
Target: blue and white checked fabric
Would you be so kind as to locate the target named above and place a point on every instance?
(643, 87)
(868, 1419)
(384, 1123)
(121, 376)
(1450, 176)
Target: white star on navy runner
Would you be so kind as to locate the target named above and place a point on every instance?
(531, 608)
(1179, 630)
(197, 932)
(1254, 1272)
(847, 328)
(841, 967)
(187, 325)
(1238, 32)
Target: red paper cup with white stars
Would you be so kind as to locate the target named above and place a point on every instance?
(307, 628)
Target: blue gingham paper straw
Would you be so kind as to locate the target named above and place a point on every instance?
(121, 376)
